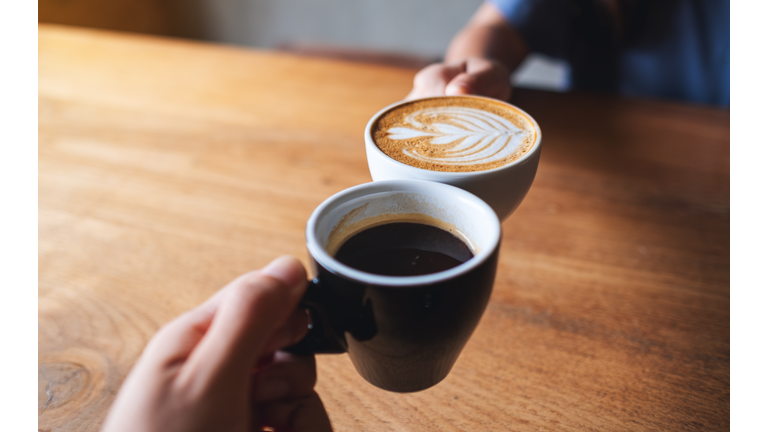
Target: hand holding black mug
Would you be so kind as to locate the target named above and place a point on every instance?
(402, 330)
(218, 366)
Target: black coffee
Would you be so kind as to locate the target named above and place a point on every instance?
(403, 249)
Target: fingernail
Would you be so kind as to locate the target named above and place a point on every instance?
(457, 89)
(272, 389)
(288, 270)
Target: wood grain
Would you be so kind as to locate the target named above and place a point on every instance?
(167, 168)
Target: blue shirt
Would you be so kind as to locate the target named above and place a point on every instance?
(673, 49)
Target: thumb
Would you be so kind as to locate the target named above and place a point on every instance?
(254, 306)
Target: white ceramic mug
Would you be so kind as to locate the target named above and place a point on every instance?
(503, 188)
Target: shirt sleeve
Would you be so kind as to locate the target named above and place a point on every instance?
(544, 25)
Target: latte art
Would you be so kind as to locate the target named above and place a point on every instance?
(468, 136)
(458, 133)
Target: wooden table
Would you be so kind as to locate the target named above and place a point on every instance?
(167, 168)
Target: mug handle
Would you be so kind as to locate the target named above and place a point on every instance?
(320, 338)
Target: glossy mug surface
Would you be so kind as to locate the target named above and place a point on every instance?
(485, 146)
(402, 333)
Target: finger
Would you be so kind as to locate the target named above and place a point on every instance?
(481, 77)
(431, 80)
(253, 308)
(306, 414)
(149, 378)
(176, 339)
(289, 376)
(291, 333)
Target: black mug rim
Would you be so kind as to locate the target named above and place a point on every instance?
(324, 259)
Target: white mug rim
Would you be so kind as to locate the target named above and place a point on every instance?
(448, 174)
(318, 252)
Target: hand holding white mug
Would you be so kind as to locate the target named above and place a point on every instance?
(475, 75)
(478, 61)
(217, 367)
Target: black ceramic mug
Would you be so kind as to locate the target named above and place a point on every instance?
(402, 333)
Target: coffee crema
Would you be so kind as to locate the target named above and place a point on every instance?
(454, 134)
